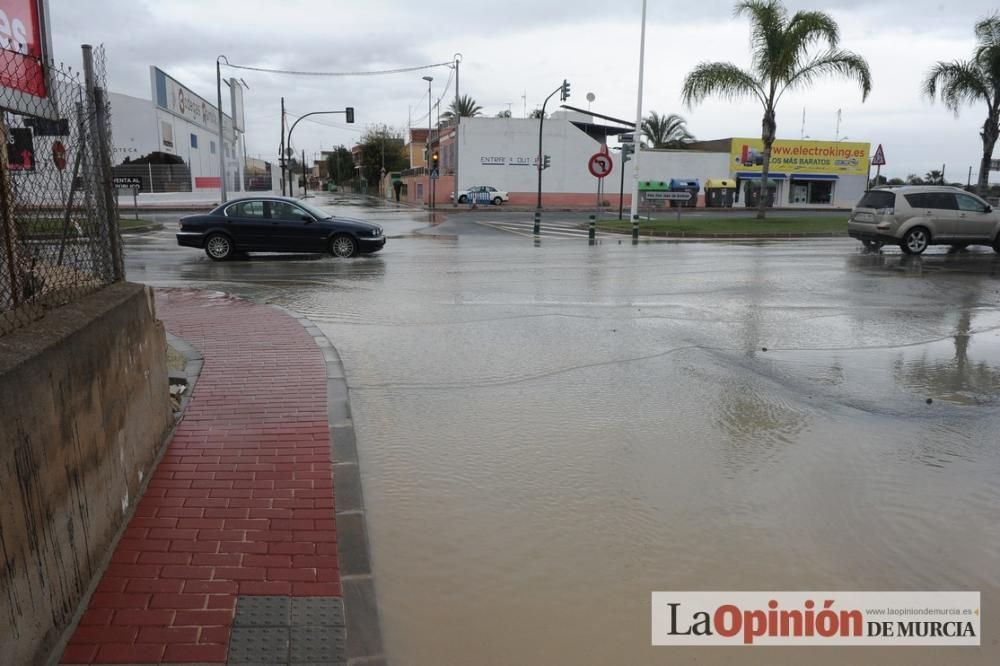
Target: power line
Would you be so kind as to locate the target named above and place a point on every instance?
(293, 72)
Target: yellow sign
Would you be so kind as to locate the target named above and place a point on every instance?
(801, 157)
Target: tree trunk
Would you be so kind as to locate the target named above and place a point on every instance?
(990, 132)
(769, 127)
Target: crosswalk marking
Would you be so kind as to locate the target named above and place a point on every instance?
(548, 230)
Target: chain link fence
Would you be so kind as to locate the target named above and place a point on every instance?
(59, 236)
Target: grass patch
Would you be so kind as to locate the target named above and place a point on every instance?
(54, 226)
(732, 224)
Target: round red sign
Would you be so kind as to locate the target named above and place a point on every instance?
(600, 165)
(59, 155)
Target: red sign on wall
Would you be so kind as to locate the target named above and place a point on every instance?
(23, 48)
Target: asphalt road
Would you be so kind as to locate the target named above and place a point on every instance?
(549, 431)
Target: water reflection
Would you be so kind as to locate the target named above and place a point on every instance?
(956, 378)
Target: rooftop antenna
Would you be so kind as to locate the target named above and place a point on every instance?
(802, 134)
(524, 98)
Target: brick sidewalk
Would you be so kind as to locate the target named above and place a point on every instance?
(241, 504)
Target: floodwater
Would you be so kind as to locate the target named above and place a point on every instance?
(549, 431)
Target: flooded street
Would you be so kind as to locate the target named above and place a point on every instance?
(548, 432)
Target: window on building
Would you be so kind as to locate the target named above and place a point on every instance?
(194, 140)
(212, 146)
(167, 132)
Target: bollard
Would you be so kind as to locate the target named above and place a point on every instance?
(592, 230)
(538, 222)
(635, 227)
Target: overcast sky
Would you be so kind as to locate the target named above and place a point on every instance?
(515, 48)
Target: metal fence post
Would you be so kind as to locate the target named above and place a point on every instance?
(8, 227)
(107, 205)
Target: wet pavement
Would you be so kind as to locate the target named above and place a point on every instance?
(550, 431)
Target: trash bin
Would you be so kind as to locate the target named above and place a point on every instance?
(719, 193)
(692, 186)
(751, 193)
(652, 186)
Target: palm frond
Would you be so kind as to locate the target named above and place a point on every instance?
(957, 82)
(767, 23)
(804, 30)
(833, 61)
(720, 78)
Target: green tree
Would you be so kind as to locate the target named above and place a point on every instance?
(340, 165)
(914, 179)
(381, 146)
(782, 60)
(504, 114)
(669, 131)
(895, 182)
(464, 107)
(537, 113)
(970, 81)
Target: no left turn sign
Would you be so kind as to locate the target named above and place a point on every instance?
(600, 165)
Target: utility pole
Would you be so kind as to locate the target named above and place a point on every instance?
(634, 208)
(458, 121)
(222, 140)
(281, 157)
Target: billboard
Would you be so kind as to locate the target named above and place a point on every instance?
(25, 51)
(790, 157)
(236, 98)
(170, 95)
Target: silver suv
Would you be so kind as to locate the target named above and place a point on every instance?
(916, 216)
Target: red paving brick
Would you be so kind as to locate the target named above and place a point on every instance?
(241, 503)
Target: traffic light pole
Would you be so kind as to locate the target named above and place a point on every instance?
(564, 89)
(349, 112)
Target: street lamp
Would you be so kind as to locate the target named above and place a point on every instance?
(634, 207)
(222, 158)
(427, 154)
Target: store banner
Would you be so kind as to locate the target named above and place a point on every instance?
(790, 157)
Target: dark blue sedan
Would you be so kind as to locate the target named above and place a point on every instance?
(277, 224)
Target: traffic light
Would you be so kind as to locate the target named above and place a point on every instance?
(564, 92)
(349, 112)
(434, 159)
(547, 162)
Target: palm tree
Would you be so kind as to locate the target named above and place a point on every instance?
(934, 177)
(464, 106)
(977, 80)
(668, 131)
(781, 62)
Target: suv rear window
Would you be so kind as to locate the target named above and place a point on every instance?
(877, 199)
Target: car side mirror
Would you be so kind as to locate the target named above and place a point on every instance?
(989, 208)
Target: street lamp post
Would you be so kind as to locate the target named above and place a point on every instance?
(634, 208)
(222, 155)
(458, 121)
(427, 152)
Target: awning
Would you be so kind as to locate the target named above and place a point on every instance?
(814, 176)
(752, 175)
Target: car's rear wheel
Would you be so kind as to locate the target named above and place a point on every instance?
(343, 246)
(497, 201)
(463, 199)
(219, 247)
(915, 241)
(996, 244)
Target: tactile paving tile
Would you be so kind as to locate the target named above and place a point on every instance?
(262, 612)
(259, 645)
(318, 612)
(319, 645)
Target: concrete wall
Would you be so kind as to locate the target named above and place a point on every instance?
(84, 404)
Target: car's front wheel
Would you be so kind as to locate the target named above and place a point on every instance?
(915, 241)
(343, 246)
(497, 201)
(463, 199)
(219, 247)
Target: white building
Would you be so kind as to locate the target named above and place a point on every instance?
(174, 129)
